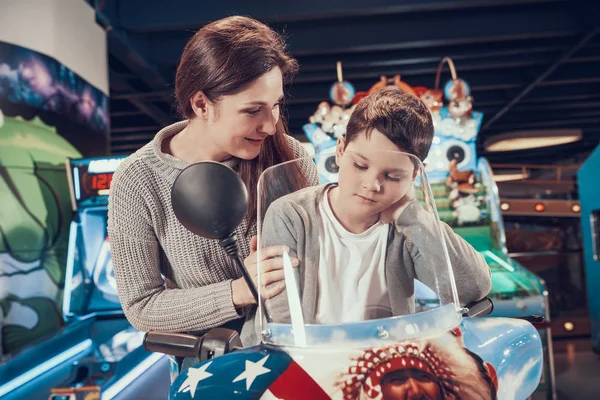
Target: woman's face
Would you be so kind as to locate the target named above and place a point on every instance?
(239, 124)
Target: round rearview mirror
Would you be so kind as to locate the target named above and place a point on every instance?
(209, 199)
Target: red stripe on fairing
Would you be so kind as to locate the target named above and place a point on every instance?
(296, 384)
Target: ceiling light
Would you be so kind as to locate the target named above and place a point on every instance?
(521, 140)
(576, 208)
(569, 326)
(505, 206)
(539, 207)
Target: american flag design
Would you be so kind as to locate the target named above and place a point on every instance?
(487, 358)
(255, 373)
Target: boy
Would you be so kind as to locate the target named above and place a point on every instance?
(363, 241)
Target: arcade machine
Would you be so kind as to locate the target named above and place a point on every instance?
(541, 214)
(465, 192)
(97, 354)
(589, 196)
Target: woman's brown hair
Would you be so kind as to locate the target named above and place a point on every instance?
(222, 59)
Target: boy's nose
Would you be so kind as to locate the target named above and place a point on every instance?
(372, 185)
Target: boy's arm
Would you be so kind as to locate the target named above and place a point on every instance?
(471, 272)
(278, 229)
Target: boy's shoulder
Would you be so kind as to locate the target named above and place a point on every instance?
(305, 199)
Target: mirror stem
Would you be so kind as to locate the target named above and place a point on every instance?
(229, 243)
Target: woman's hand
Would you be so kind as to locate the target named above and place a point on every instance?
(272, 276)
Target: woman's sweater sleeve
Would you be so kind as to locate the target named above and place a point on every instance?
(135, 249)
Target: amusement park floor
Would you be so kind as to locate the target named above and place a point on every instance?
(577, 369)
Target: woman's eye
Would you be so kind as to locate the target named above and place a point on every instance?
(360, 166)
(394, 178)
(252, 112)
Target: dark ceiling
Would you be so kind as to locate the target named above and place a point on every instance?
(531, 64)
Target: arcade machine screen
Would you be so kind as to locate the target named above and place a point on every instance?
(91, 179)
(89, 261)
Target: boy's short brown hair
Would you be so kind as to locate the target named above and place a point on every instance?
(401, 117)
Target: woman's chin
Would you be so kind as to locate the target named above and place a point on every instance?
(247, 153)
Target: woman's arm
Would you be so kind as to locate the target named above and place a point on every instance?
(423, 242)
(147, 304)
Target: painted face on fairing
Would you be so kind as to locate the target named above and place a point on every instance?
(239, 124)
(373, 175)
(409, 384)
(439, 368)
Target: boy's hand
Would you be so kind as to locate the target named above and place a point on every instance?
(394, 211)
(272, 275)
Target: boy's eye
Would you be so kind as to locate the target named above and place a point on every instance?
(360, 166)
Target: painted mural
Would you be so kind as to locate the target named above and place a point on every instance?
(47, 113)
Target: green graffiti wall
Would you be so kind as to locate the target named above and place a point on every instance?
(34, 229)
(47, 113)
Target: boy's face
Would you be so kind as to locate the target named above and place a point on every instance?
(373, 174)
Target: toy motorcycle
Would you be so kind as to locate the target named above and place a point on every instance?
(327, 349)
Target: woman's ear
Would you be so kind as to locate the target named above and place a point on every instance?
(200, 105)
(339, 150)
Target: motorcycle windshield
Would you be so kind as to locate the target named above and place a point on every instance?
(358, 252)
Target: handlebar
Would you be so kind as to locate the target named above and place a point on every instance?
(216, 342)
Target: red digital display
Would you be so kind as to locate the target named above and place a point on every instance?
(90, 180)
(96, 184)
(101, 181)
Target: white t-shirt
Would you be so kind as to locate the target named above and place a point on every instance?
(352, 284)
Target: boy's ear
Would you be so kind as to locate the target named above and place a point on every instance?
(417, 169)
(339, 150)
(416, 172)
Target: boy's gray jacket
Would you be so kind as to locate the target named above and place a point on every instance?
(414, 248)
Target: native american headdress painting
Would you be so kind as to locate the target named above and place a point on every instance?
(434, 368)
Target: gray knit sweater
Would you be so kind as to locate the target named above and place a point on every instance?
(151, 249)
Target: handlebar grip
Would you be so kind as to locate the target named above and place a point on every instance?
(480, 308)
(533, 318)
(172, 343)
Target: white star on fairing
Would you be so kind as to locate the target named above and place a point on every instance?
(253, 369)
(195, 375)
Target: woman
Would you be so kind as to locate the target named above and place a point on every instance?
(229, 87)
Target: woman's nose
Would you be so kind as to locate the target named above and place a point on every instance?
(269, 124)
